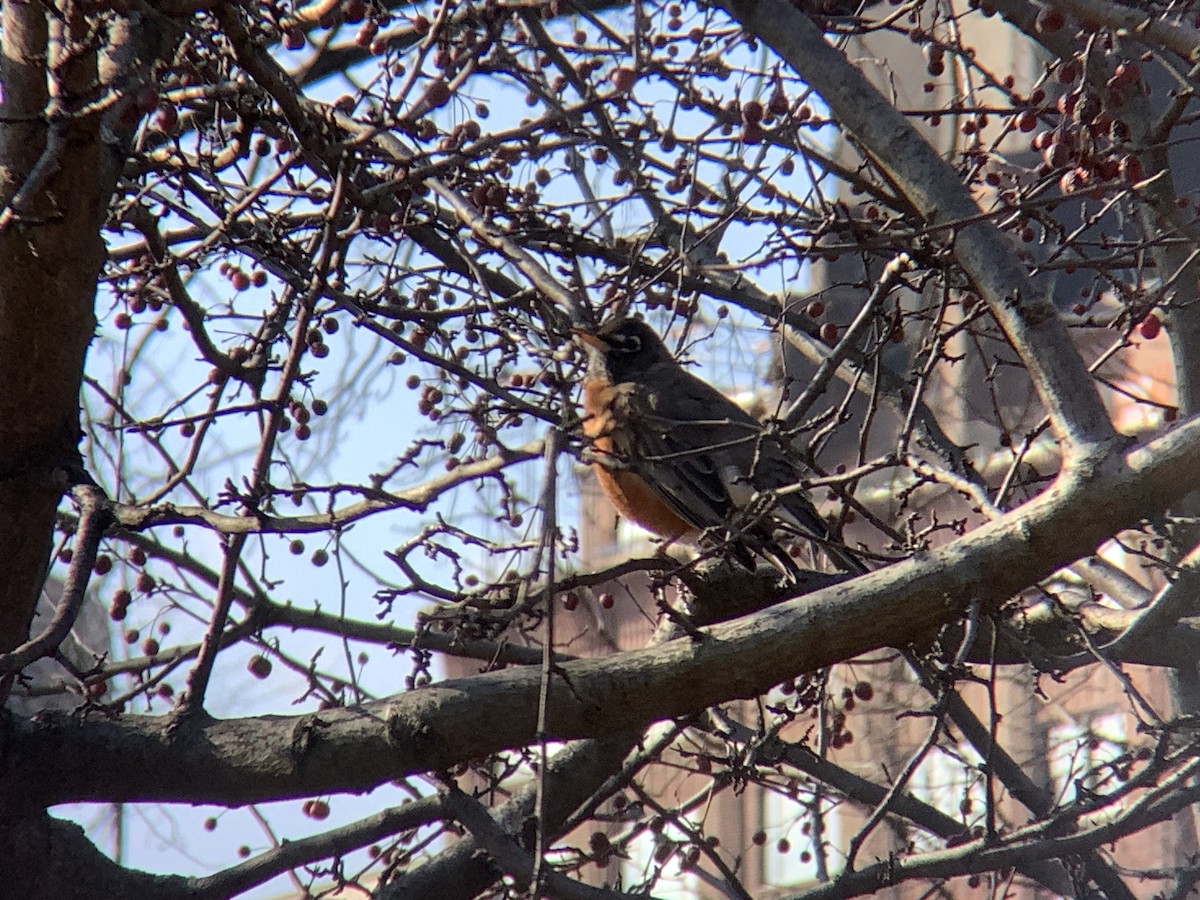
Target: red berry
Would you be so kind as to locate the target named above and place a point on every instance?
(1128, 73)
(829, 333)
(438, 93)
(293, 39)
(1150, 327)
(778, 102)
(1073, 181)
(166, 119)
(317, 809)
(366, 36)
(259, 666)
(1057, 154)
(1131, 169)
(623, 78)
(1108, 169)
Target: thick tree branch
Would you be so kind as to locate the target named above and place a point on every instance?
(1175, 34)
(1024, 311)
(46, 857)
(435, 727)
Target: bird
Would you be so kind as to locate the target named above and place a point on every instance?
(678, 457)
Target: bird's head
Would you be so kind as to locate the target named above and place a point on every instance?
(625, 347)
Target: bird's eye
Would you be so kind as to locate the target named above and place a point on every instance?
(628, 344)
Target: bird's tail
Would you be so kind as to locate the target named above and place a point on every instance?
(845, 558)
(796, 511)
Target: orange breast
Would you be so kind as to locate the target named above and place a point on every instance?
(626, 490)
(635, 501)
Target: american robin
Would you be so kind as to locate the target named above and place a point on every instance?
(683, 460)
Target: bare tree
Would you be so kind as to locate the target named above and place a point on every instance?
(287, 297)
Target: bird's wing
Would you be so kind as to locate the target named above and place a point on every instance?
(707, 458)
(668, 433)
(704, 455)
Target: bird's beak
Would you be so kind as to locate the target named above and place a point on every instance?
(590, 339)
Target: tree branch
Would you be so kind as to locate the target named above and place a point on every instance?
(256, 759)
(416, 498)
(95, 514)
(935, 189)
